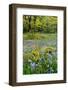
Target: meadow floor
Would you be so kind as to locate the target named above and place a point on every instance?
(40, 53)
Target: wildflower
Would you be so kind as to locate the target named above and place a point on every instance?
(36, 54)
(33, 65)
(49, 50)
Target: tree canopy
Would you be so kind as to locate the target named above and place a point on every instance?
(44, 24)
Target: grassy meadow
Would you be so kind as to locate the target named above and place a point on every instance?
(40, 46)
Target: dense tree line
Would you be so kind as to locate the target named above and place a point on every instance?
(44, 24)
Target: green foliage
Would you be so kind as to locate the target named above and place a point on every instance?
(38, 63)
(47, 24)
(39, 37)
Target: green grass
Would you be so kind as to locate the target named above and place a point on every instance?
(39, 36)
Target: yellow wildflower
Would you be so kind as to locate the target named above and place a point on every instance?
(49, 49)
(35, 54)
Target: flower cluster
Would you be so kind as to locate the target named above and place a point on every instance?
(41, 62)
(35, 54)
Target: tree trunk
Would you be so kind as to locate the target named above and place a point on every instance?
(35, 23)
(29, 18)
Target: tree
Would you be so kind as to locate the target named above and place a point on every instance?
(44, 24)
(35, 23)
(29, 18)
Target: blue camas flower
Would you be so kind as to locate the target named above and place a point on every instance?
(33, 65)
